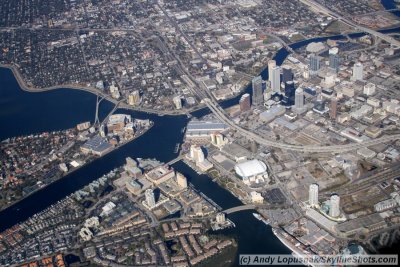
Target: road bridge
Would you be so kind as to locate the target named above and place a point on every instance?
(253, 207)
(111, 112)
(175, 160)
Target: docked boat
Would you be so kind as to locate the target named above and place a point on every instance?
(260, 218)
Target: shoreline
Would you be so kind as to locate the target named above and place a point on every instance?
(25, 87)
(122, 105)
(91, 159)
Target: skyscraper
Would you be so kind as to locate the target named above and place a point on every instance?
(258, 97)
(181, 180)
(178, 102)
(196, 153)
(289, 92)
(315, 64)
(287, 74)
(306, 72)
(334, 62)
(358, 70)
(333, 108)
(334, 59)
(299, 99)
(271, 65)
(134, 98)
(276, 79)
(334, 211)
(244, 103)
(313, 195)
(150, 198)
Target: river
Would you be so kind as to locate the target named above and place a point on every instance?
(25, 113)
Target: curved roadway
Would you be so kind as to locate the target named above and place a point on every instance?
(319, 7)
(219, 112)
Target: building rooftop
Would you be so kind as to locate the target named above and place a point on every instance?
(250, 168)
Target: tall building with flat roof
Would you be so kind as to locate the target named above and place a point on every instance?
(258, 97)
(315, 64)
(177, 102)
(313, 195)
(358, 71)
(290, 90)
(271, 65)
(134, 98)
(287, 74)
(333, 108)
(196, 153)
(334, 211)
(276, 79)
(334, 62)
(150, 198)
(244, 103)
(181, 180)
(299, 99)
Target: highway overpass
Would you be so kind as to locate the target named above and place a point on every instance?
(220, 114)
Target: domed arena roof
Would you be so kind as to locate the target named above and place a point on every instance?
(250, 168)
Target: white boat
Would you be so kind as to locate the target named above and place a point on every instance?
(260, 218)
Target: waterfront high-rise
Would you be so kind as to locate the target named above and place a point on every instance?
(196, 153)
(134, 98)
(276, 79)
(178, 102)
(244, 103)
(334, 211)
(271, 65)
(358, 70)
(258, 97)
(181, 180)
(150, 198)
(220, 218)
(313, 195)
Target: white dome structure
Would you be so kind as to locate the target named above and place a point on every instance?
(250, 168)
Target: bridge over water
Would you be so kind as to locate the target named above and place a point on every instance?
(252, 207)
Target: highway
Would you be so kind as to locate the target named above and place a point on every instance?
(220, 114)
(321, 8)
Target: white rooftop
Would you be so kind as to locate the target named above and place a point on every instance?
(250, 168)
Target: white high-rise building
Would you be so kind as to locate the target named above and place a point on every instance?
(358, 70)
(178, 102)
(134, 98)
(271, 65)
(220, 218)
(181, 180)
(150, 198)
(306, 73)
(313, 195)
(276, 79)
(196, 153)
(334, 211)
(299, 98)
(369, 89)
